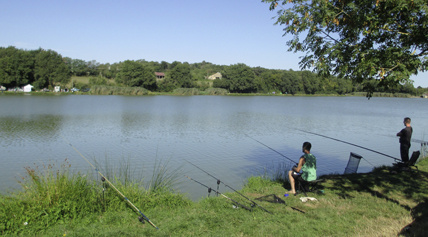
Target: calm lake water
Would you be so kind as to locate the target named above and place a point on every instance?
(213, 132)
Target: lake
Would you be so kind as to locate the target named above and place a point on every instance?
(215, 133)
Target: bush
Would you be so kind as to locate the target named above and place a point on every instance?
(165, 86)
(202, 85)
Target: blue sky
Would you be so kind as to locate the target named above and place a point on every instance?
(219, 31)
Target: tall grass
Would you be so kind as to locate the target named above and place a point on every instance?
(215, 91)
(276, 172)
(49, 196)
(129, 179)
(186, 91)
(114, 90)
(383, 94)
(279, 172)
(164, 177)
(53, 195)
(122, 171)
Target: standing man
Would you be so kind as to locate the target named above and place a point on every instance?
(405, 137)
(308, 166)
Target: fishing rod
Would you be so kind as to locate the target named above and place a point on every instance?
(273, 150)
(219, 181)
(277, 199)
(349, 144)
(103, 178)
(422, 142)
(210, 189)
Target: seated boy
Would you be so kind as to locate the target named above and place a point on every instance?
(307, 164)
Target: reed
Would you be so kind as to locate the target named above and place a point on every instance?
(279, 173)
(164, 177)
(53, 195)
(123, 171)
(215, 91)
(50, 195)
(383, 94)
(114, 90)
(186, 91)
(399, 95)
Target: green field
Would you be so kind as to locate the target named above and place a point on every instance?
(75, 79)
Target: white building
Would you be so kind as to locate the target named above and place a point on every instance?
(28, 88)
(215, 76)
(57, 89)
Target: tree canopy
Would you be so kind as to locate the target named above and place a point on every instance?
(180, 75)
(363, 40)
(237, 78)
(135, 74)
(49, 69)
(16, 66)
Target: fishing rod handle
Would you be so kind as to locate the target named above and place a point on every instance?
(243, 206)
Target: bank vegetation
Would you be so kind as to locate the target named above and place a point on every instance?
(54, 201)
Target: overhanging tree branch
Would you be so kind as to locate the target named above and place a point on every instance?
(373, 40)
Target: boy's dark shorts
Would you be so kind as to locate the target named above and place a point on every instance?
(297, 176)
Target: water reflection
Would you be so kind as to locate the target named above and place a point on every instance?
(209, 131)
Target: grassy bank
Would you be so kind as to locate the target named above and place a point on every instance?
(384, 94)
(380, 203)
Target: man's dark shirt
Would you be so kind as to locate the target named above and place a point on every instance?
(405, 135)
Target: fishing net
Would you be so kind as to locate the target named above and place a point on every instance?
(354, 161)
(424, 146)
(272, 198)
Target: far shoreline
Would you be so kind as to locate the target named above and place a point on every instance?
(201, 93)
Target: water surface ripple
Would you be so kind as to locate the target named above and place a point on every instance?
(209, 131)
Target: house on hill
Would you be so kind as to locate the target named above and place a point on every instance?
(214, 76)
(159, 75)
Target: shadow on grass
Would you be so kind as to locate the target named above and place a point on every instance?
(420, 221)
(381, 183)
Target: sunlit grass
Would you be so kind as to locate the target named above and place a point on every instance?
(79, 79)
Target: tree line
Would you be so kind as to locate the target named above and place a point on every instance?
(46, 68)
